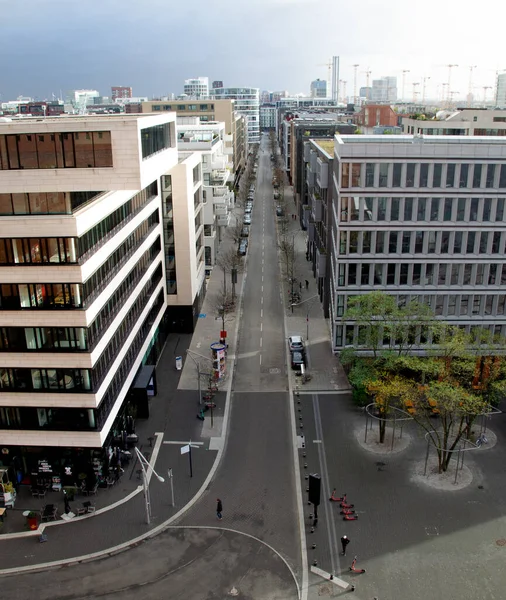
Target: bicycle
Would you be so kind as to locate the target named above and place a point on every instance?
(481, 439)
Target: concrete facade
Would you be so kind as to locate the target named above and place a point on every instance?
(424, 218)
(468, 121)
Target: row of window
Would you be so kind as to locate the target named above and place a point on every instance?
(29, 251)
(356, 336)
(44, 203)
(432, 175)
(159, 107)
(420, 274)
(104, 230)
(15, 417)
(104, 274)
(71, 150)
(21, 339)
(422, 242)
(155, 139)
(457, 210)
(57, 380)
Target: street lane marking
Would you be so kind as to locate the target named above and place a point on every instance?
(260, 358)
(261, 313)
(261, 326)
(261, 342)
(183, 443)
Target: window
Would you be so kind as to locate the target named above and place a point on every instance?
(410, 175)
(419, 242)
(473, 215)
(345, 175)
(406, 242)
(366, 242)
(490, 176)
(499, 211)
(447, 212)
(422, 206)
(352, 274)
(396, 175)
(431, 246)
(155, 139)
(394, 209)
(464, 173)
(365, 274)
(483, 242)
(457, 242)
(492, 274)
(429, 274)
(392, 245)
(408, 209)
(355, 174)
(369, 175)
(383, 175)
(450, 175)
(436, 178)
(434, 208)
(391, 274)
(382, 209)
(471, 237)
(502, 177)
(353, 242)
(443, 267)
(461, 209)
(455, 275)
(343, 242)
(487, 209)
(380, 242)
(404, 274)
(417, 272)
(477, 176)
(424, 175)
(445, 242)
(496, 243)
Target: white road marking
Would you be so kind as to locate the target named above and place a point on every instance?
(183, 443)
(261, 342)
(261, 313)
(260, 358)
(261, 326)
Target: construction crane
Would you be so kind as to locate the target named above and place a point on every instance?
(355, 99)
(470, 88)
(404, 73)
(415, 92)
(424, 83)
(367, 75)
(343, 82)
(449, 81)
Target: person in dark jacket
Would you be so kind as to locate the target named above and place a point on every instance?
(219, 509)
(344, 542)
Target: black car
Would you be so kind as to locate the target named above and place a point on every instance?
(245, 231)
(298, 360)
(279, 211)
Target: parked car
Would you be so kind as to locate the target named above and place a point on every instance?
(252, 188)
(279, 211)
(275, 184)
(247, 220)
(298, 360)
(245, 231)
(247, 210)
(276, 195)
(243, 247)
(296, 343)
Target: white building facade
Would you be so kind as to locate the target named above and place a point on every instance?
(82, 270)
(247, 104)
(500, 99)
(318, 89)
(197, 88)
(384, 89)
(420, 218)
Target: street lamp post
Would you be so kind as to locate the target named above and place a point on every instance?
(171, 479)
(145, 482)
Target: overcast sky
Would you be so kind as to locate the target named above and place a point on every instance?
(153, 45)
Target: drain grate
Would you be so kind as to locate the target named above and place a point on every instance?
(274, 371)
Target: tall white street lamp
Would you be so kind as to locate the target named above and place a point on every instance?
(145, 481)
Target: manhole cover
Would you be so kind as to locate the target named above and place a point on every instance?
(274, 371)
(501, 542)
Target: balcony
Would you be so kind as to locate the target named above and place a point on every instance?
(223, 220)
(219, 163)
(321, 262)
(322, 176)
(220, 209)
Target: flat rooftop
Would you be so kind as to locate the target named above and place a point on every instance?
(326, 145)
(467, 140)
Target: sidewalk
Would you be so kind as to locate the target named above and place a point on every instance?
(308, 320)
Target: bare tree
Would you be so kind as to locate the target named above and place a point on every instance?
(234, 231)
(222, 305)
(230, 262)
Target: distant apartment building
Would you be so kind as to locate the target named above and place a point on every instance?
(247, 104)
(42, 109)
(120, 91)
(384, 89)
(211, 111)
(217, 169)
(467, 121)
(365, 92)
(419, 218)
(217, 84)
(318, 89)
(267, 116)
(500, 99)
(79, 99)
(197, 88)
(372, 115)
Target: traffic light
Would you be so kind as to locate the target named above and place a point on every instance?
(314, 489)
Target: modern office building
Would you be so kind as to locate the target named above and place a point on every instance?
(420, 218)
(384, 89)
(120, 91)
(318, 89)
(212, 111)
(467, 121)
(268, 116)
(365, 92)
(500, 98)
(247, 104)
(79, 99)
(197, 88)
(84, 287)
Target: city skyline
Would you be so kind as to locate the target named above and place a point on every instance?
(265, 57)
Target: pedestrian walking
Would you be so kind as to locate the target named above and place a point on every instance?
(219, 509)
(300, 286)
(344, 542)
(307, 284)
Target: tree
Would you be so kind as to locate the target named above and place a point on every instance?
(234, 231)
(384, 323)
(222, 305)
(388, 390)
(287, 251)
(230, 262)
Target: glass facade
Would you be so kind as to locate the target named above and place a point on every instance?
(44, 203)
(71, 150)
(155, 139)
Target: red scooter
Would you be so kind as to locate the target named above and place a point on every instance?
(354, 569)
